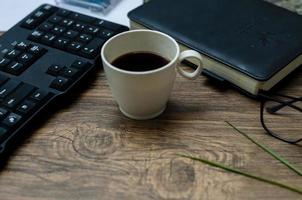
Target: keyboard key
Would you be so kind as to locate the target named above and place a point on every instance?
(37, 50)
(3, 113)
(9, 103)
(67, 22)
(69, 72)
(4, 62)
(15, 68)
(46, 26)
(3, 134)
(99, 22)
(26, 107)
(61, 43)
(74, 46)
(60, 83)
(81, 65)
(54, 70)
(58, 30)
(40, 14)
(8, 87)
(3, 79)
(50, 9)
(18, 95)
(26, 59)
(36, 35)
(31, 23)
(84, 38)
(92, 49)
(12, 119)
(106, 33)
(55, 19)
(63, 12)
(13, 54)
(92, 30)
(83, 18)
(22, 46)
(71, 34)
(79, 27)
(48, 38)
(39, 95)
(106, 24)
(88, 52)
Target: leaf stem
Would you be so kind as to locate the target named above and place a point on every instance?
(237, 171)
(269, 151)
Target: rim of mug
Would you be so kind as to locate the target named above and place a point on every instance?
(142, 72)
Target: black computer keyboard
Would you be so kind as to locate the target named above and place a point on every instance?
(42, 58)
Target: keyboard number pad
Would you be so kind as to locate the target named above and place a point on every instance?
(75, 33)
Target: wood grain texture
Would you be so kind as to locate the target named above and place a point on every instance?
(88, 150)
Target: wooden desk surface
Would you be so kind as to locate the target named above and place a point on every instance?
(88, 150)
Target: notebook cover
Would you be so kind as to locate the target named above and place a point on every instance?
(252, 36)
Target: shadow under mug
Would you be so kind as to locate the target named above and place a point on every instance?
(144, 95)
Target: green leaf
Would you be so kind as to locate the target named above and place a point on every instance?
(269, 151)
(237, 171)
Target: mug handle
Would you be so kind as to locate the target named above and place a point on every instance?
(190, 54)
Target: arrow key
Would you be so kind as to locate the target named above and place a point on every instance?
(60, 83)
(12, 119)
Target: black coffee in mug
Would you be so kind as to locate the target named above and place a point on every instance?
(140, 61)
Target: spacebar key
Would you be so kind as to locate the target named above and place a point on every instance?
(17, 96)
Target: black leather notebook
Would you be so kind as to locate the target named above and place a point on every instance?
(250, 43)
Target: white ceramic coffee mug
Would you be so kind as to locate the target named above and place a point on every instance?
(144, 95)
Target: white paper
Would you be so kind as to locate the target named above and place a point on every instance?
(12, 11)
